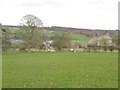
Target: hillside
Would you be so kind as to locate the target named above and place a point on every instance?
(48, 32)
(77, 33)
(87, 32)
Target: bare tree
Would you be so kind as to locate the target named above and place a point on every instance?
(6, 36)
(31, 30)
(0, 37)
(61, 39)
(31, 21)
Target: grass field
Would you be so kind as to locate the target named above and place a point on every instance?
(60, 70)
(79, 37)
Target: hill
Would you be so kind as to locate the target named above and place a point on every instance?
(77, 33)
(87, 32)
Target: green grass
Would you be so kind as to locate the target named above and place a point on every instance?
(79, 37)
(14, 30)
(60, 70)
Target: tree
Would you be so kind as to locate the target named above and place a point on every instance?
(105, 41)
(6, 36)
(0, 37)
(18, 44)
(61, 39)
(31, 30)
(31, 21)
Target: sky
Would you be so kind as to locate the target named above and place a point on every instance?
(88, 14)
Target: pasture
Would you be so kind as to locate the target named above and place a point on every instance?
(79, 37)
(60, 70)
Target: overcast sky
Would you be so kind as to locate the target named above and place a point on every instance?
(92, 14)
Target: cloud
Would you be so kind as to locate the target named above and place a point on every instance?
(42, 4)
(73, 13)
(97, 2)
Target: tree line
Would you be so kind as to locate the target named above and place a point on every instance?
(30, 34)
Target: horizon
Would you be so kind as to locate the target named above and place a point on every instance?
(65, 27)
(85, 14)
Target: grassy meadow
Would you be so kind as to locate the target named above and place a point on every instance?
(79, 37)
(60, 70)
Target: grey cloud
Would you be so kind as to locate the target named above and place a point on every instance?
(29, 4)
(42, 4)
(98, 2)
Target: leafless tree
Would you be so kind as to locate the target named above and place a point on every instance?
(31, 30)
(61, 39)
(6, 36)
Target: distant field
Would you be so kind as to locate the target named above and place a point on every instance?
(79, 37)
(14, 30)
(60, 70)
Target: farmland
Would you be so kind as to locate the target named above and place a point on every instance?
(35, 55)
(60, 70)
